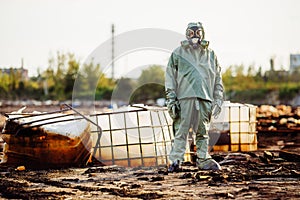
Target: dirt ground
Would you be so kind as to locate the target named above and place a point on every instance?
(268, 173)
(255, 175)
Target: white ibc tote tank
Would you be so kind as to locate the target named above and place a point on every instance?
(133, 136)
(142, 135)
(235, 128)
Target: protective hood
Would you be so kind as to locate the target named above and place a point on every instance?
(195, 36)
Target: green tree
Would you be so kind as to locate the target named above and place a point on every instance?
(58, 79)
(88, 78)
(71, 74)
(4, 85)
(150, 85)
(105, 87)
(59, 76)
(123, 89)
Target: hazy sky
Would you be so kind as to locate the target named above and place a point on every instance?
(247, 32)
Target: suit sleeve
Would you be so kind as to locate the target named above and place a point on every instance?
(170, 78)
(218, 87)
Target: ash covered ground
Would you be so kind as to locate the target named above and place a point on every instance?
(254, 175)
(271, 172)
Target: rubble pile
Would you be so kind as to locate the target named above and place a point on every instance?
(279, 118)
(278, 126)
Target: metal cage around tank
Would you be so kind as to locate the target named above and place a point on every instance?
(132, 136)
(235, 128)
(142, 135)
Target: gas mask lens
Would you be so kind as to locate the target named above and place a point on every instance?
(190, 33)
(199, 33)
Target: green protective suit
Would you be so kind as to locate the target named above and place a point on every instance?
(193, 84)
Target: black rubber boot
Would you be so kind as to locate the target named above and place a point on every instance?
(208, 164)
(174, 167)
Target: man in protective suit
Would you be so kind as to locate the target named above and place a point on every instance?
(194, 93)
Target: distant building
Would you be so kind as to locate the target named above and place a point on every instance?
(294, 62)
(23, 72)
(276, 74)
(17, 71)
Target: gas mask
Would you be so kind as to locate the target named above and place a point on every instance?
(195, 34)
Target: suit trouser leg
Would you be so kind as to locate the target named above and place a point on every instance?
(195, 114)
(204, 109)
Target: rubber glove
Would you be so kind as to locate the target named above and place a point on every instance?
(217, 108)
